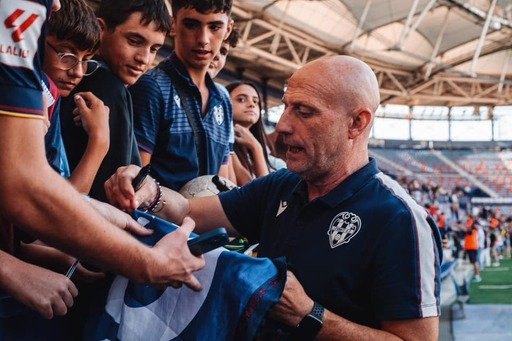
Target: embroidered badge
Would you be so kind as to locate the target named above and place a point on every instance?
(177, 101)
(218, 114)
(343, 227)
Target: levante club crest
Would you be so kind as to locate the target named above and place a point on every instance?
(343, 228)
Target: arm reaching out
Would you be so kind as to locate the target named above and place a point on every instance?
(45, 291)
(207, 212)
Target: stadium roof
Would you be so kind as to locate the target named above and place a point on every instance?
(425, 52)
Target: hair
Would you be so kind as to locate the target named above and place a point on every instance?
(233, 38)
(256, 130)
(116, 12)
(75, 22)
(203, 6)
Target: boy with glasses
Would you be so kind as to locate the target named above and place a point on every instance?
(73, 38)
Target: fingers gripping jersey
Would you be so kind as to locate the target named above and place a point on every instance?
(22, 35)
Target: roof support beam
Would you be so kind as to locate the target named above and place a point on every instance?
(407, 27)
(421, 17)
(353, 45)
(482, 37)
(504, 71)
(435, 51)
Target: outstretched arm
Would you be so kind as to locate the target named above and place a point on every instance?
(45, 291)
(207, 212)
(36, 198)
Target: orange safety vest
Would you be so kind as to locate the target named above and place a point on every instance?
(471, 240)
(494, 223)
(441, 222)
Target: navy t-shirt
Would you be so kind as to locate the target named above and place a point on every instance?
(366, 250)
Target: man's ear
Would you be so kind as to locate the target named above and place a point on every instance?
(173, 28)
(360, 122)
(229, 29)
(103, 27)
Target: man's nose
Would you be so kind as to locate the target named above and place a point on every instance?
(143, 56)
(283, 125)
(203, 36)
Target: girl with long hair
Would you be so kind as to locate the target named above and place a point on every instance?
(251, 159)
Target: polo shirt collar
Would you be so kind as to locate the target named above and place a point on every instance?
(344, 190)
(181, 70)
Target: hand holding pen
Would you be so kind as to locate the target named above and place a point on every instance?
(141, 176)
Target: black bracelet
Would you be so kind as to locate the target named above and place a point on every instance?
(161, 201)
(156, 201)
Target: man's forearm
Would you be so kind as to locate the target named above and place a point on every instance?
(338, 328)
(38, 200)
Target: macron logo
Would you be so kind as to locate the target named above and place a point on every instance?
(283, 205)
(11, 20)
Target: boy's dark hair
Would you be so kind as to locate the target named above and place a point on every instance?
(116, 12)
(233, 37)
(203, 6)
(75, 22)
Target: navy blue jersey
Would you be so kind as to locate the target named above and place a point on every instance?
(22, 34)
(366, 250)
(163, 130)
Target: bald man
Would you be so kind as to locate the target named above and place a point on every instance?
(363, 256)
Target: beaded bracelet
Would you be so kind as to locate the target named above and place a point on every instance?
(152, 206)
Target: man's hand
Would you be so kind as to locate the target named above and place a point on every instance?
(294, 305)
(45, 291)
(121, 193)
(173, 249)
(119, 218)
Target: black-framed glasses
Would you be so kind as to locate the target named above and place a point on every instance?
(68, 61)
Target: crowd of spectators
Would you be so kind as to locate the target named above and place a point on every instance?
(458, 220)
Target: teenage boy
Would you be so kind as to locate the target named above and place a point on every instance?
(73, 38)
(46, 205)
(219, 61)
(183, 119)
(132, 31)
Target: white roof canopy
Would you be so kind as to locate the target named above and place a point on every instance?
(444, 52)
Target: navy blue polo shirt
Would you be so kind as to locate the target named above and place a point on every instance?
(163, 130)
(366, 250)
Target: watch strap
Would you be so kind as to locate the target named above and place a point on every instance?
(310, 325)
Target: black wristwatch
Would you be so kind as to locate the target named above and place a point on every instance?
(310, 325)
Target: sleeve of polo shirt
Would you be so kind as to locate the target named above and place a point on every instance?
(20, 64)
(244, 207)
(406, 283)
(147, 110)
